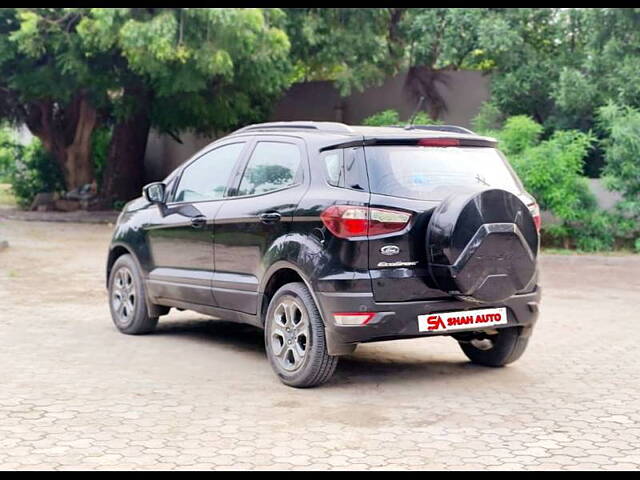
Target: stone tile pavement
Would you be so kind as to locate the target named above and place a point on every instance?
(199, 393)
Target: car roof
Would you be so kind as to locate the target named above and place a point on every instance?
(333, 131)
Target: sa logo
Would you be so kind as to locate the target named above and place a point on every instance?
(435, 322)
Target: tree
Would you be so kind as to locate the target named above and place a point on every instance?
(47, 84)
(607, 59)
(358, 48)
(168, 68)
(354, 47)
(202, 69)
(622, 153)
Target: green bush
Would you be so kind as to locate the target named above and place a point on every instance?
(551, 172)
(33, 171)
(100, 149)
(488, 120)
(518, 134)
(382, 119)
(392, 117)
(8, 153)
(622, 155)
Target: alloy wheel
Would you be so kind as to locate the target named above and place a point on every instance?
(290, 334)
(123, 296)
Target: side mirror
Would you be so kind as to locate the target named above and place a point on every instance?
(154, 192)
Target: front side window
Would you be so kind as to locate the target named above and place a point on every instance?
(272, 166)
(207, 177)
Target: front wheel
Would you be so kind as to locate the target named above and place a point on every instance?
(127, 298)
(505, 346)
(295, 338)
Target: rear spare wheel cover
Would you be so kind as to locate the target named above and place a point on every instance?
(482, 245)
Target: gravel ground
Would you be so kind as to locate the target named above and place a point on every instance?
(199, 393)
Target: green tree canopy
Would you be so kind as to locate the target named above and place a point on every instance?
(63, 71)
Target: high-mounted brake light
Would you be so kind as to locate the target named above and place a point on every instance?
(346, 221)
(356, 318)
(439, 142)
(535, 213)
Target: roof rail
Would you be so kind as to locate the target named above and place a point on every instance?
(440, 128)
(306, 125)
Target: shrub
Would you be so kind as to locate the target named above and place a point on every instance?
(100, 141)
(392, 117)
(381, 119)
(518, 134)
(34, 171)
(31, 170)
(622, 155)
(551, 171)
(8, 153)
(488, 120)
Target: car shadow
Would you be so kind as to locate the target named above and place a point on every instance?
(361, 367)
(223, 333)
(365, 370)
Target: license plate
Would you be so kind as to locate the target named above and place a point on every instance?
(468, 319)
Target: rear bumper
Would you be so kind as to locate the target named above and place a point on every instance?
(395, 320)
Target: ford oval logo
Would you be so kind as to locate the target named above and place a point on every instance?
(390, 250)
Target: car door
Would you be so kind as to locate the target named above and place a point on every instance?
(180, 235)
(259, 210)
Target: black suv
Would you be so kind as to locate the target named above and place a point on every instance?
(328, 235)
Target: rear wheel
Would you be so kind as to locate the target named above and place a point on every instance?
(127, 300)
(505, 346)
(295, 338)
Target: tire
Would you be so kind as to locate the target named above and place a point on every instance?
(130, 315)
(299, 355)
(508, 346)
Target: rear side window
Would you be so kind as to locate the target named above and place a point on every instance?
(335, 167)
(428, 173)
(345, 168)
(272, 166)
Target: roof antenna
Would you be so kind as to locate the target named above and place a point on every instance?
(415, 113)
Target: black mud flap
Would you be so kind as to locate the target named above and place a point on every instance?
(482, 245)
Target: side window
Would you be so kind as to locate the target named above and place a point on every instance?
(273, 165)
(335, 167)
(207, 177)
(355, 170)
(346, 168)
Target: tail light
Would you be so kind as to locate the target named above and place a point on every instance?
(439, 142)
(535, 213)
(346, 221)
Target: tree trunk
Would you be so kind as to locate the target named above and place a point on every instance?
(124, 173)
(78, 161)
(65, 132)
(421, 81)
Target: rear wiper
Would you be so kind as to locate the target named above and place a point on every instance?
(481, 179)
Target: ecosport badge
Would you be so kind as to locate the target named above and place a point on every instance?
(397, 264)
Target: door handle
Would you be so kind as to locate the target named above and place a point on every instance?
(198, 221)
(270, 217)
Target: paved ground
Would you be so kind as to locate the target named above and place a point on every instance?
(199, 394)
(78, 216)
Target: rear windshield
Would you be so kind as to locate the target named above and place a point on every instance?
(428, 173)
